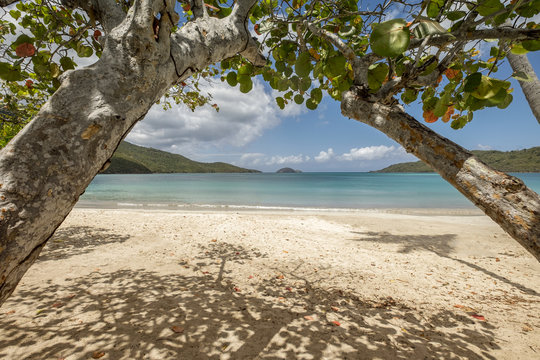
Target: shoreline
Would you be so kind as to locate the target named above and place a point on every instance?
(122, 205)
(137, 284)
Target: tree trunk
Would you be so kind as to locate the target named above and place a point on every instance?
(49, 164)
(530, 88)
(502, 197)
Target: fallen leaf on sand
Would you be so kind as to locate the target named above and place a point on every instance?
(336, 323)
(57, 305)
(307, 317)
(459, 306)
(527, 328)
(335, 308)
(214, 240)
(479, 317)
(177, 329)
(288, 288)
(97, 354)
(250, 277)
(497, 259)
(280, 276)
(236, 289)
(10, 312)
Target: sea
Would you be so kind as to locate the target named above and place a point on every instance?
(299, 191)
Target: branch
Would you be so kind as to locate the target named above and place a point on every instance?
(4, 3)
(198, 9)
(497, 33)
(241, 9)
(107, 12)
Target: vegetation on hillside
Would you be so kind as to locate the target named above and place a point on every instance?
(133, 159)
(527, 160)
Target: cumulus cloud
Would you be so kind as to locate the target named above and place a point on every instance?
(325, 155)
(484, 147)
(241, 119)
(291, 159)
(370, 153)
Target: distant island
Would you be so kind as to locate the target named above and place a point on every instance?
(287, 170)
(527, 160)
(133, 159)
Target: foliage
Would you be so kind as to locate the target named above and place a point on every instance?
(527, 160)
(133, 159)
(432, 51)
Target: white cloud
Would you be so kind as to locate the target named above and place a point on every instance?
(242, 118)
(325, 155)
(370, 153)
(484, 147)
(291, 159)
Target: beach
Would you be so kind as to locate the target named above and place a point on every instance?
(247, 284)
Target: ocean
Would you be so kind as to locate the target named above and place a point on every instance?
(279, 191)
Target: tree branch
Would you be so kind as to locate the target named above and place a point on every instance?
(107, 12)
(497, 33)
(4, 3)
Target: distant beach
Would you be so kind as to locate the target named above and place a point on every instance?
(252, 284)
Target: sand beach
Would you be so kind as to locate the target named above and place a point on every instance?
(366, 284)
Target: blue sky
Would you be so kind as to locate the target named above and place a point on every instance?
(251, 131)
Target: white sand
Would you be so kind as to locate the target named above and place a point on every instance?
(126, 284)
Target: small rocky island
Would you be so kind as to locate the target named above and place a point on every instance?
(287, 170)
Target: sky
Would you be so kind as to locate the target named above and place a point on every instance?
(251, 131)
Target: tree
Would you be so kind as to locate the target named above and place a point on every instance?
(316, 46)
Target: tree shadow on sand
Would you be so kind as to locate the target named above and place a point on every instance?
(77, 240)
(144, 315)
(437, 244)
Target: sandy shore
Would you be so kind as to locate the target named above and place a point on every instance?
(127, 284)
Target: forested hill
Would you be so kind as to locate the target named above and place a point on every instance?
(527, 160)
(133, 159)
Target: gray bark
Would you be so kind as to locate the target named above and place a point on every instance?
(530, 88)
(49, 164)
(502, 197)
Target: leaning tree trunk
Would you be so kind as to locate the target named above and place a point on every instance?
(49, 164)
(531, 88)
(502, 197)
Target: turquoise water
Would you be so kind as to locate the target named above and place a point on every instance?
(268, 190)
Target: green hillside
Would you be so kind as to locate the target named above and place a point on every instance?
(133, 159)
(527, 160)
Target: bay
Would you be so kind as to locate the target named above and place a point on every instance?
(272, 190)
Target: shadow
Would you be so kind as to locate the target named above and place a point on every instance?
(145, 315)
(77, 240)
(437, 244)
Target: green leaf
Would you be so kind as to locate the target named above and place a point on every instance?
(507, 100)
(304, 84)
(518, 49)
(311, 104)
(455, 15)
(488, 7)
(334, 66)
(316, 95)
(298, 99)
(54, 70)
(489, 87)
(409, 96)
(428, 27)
(245, 83)
(376, 75)
(531, 45)
(9, 73)
(521, 76)
(303, 65)
(442, 105)
(459, 123)
(472, 81)
(15, 14)
(231, 78)
(434, 7)
(84, 51)
(67, 63)
(22, 39)
(245, 69)
(280, 102)
(390, 38)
